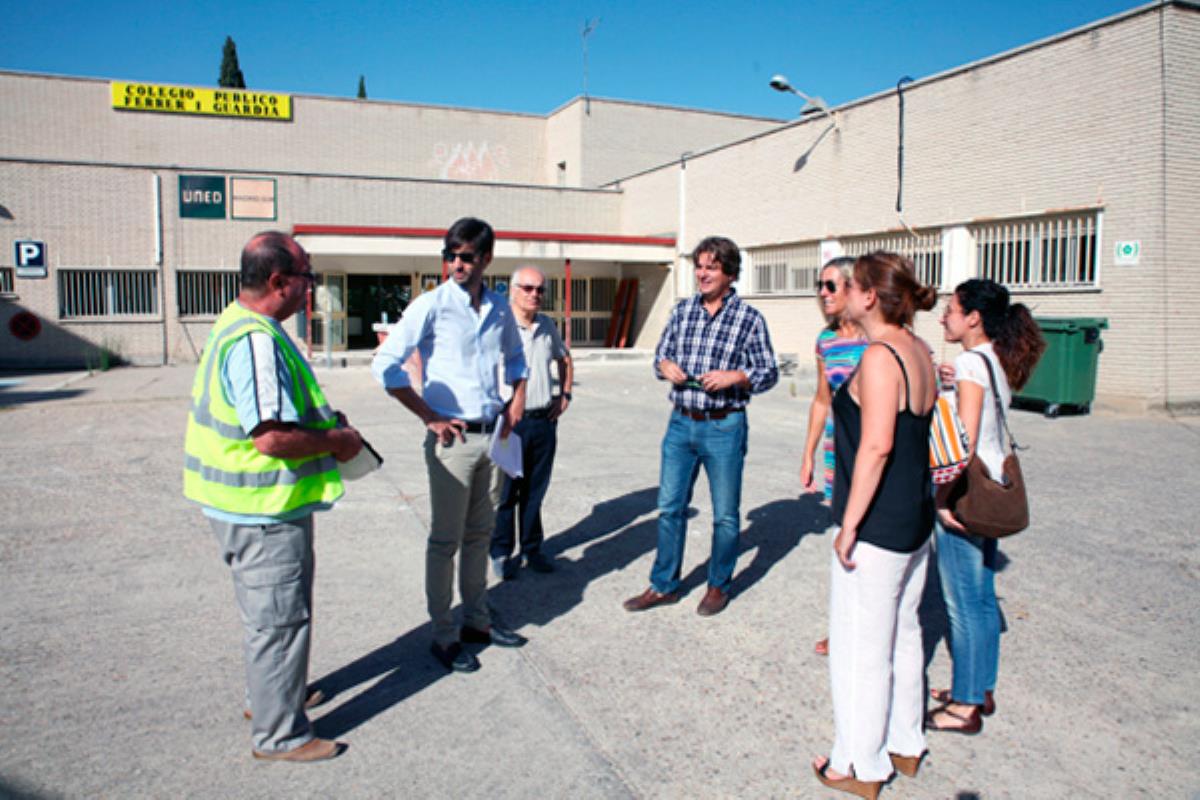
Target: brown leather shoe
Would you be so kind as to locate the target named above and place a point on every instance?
(314, 699)
(649, 599)
(312, 750)
(714, 602)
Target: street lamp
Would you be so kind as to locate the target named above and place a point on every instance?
(780, 84)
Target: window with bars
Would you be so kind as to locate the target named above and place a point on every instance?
(90, 293)
(924, 248)
(6, 279)
(205, 293)
(783, 269)
(1056, 251)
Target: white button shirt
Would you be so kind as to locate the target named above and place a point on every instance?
(461, 350)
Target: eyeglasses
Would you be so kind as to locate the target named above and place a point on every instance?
(469, 259)
(829, 286)
(309, 276)
(531, 289)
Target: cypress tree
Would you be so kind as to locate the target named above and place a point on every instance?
(231, 73)
(362, 88)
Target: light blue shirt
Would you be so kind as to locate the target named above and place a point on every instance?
(462, 352)
(256, 381)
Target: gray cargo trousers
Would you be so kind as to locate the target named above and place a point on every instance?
(272, 567)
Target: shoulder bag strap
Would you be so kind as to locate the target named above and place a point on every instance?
(1000, 415)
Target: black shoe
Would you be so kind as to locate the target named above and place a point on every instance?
(501, 637)
(539, 562)
(454, 658)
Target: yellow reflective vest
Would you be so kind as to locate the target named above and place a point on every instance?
(222, 468)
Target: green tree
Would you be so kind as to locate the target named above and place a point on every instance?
(362, 88)
(231, 73)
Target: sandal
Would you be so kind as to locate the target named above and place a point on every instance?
(907, 765)
(972, 723)
(943, 696)
(865, 789)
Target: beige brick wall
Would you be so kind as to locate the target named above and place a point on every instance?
(74, 120)
(1073, 122)
(88, 218)
(1181, 289)
(620, 138)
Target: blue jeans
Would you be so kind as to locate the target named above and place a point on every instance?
(967, 565)
(719, 446)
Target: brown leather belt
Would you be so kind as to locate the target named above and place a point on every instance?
(716, 413)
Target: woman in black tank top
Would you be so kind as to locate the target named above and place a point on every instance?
(883, 502)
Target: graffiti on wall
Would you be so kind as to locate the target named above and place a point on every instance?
(470, 161)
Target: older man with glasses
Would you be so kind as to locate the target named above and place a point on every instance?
(464, 333)
(520, 499)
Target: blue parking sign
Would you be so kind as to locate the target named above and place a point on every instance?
(30, 258)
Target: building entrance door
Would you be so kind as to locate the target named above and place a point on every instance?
(372, 299)
(329, 299)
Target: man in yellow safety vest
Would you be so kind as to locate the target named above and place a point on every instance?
(260, 457)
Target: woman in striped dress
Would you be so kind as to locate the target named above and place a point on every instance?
(839, 347)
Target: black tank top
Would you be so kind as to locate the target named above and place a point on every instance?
(900, 516)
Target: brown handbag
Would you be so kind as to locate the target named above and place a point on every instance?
(984, 506)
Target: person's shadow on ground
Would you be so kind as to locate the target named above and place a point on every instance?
(611, 542)
(774, 530)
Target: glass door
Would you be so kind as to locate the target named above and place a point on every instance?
(329, 300)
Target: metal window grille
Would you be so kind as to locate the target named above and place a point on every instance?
(1056, 251)
(84, 293)
(925, 250)
(785, 268)
(602, 294)
(6, 279)
(205, 293)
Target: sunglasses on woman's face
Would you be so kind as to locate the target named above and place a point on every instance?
(829, 286)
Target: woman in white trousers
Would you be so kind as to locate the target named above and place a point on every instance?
(882, 500)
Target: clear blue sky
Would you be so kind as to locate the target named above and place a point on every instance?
(526, 56)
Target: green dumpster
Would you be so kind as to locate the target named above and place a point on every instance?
(1065, 377)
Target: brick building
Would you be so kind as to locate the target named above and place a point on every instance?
(1031, 167)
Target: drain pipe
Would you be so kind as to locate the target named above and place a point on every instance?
(900, 155)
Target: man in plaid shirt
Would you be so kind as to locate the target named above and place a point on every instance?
(716, 352)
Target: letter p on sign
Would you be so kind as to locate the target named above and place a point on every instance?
(30, 257)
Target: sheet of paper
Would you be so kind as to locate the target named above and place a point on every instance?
(363, 464)
(506, 453)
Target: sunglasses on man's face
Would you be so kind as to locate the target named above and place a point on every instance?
(467, 258)
(829, 286)
(524, 287)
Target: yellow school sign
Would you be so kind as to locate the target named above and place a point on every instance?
(166, 99)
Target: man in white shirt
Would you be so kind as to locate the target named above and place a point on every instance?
(464, 332)
(520, 499)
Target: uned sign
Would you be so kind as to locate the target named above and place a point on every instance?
(202, 196)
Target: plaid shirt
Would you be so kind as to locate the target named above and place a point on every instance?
(734, 338)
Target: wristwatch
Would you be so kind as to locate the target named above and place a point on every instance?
(567, 395)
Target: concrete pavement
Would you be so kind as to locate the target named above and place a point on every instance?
(121, 665)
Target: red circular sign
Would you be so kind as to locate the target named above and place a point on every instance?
(24, 326)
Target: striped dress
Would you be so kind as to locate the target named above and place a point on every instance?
(840, 357)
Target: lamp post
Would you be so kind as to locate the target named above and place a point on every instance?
(780, 84)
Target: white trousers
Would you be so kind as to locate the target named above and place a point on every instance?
(876, 659)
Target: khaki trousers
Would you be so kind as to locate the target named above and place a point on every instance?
(272, 568)
(460, 476)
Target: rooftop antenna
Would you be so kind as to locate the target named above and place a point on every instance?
(589, 25)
